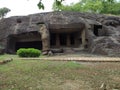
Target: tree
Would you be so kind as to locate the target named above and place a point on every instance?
(3, 12)
(82, 6)
(41, 5)
(93, 6)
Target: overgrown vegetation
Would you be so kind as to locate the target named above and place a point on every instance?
(3, 12)
(41, 4)
(58, 75)
(28, 52)
(92, 6)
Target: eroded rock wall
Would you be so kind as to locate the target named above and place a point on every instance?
(106, 42)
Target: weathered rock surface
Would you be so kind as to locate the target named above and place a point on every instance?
(102, 32)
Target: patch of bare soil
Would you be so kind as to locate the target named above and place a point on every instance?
(75, 85)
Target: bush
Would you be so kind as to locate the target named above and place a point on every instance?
(28, 52)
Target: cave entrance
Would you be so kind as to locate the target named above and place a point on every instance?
(96, 29)
(28, 40)
(24, 40)
(30, 44)
(62, 40)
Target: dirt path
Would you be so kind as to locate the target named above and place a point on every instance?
(78, 57)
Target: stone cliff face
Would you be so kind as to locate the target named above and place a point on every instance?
(102, 33)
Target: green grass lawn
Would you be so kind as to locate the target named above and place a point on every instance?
(57, 75)
(5, 56)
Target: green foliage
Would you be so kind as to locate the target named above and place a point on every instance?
(56, 6)
(92, 6)
(4, 11)
(40, 5)
(28, 52)
(58, 3)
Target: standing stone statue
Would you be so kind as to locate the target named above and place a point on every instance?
(45, 36)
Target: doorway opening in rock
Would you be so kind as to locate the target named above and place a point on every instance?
(62, 40)
(32, 44)
(52, 39)
(96, 29)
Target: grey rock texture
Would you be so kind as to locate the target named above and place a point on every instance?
(102, 31)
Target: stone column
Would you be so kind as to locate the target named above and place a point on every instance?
(57, 40)
(68, 40)
(83, 39)
(76, 40)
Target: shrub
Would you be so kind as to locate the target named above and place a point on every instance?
(28, 52)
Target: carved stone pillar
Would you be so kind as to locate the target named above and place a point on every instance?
(68, 40)
(83, 39)
(57, 40)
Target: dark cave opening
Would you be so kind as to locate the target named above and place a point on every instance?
(72, 39)
(52, 39)
(96, 29)
(63, 39)
(31, 44)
